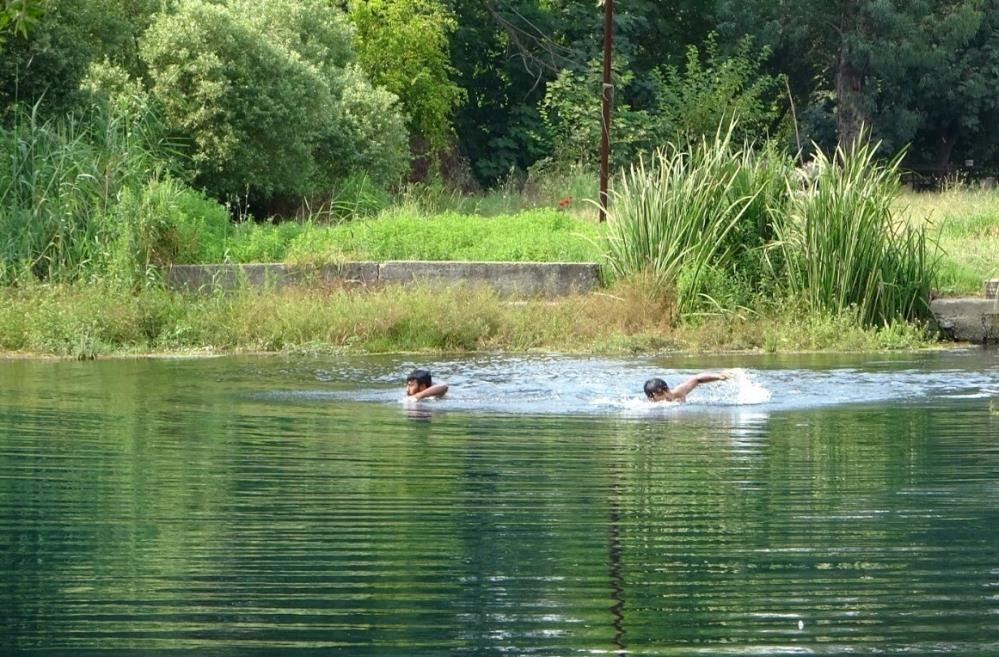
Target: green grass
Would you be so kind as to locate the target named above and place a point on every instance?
(533, 235)
(571, 188)
(88, 321)
(60, 188)
(842, 249)
(965, 224)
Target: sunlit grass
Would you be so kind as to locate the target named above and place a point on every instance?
(538, 235)
(966, 224)
(78, 321)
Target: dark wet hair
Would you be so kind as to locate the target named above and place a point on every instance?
(654, 387)
(420, 376)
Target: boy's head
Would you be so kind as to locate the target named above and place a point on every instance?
(655, 388)
(417, 381)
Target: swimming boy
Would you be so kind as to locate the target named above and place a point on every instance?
(419, 385)
(657, 390)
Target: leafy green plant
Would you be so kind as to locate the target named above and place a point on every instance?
(713, 89)
(673, 216)
(403, 46)
(841, 245)
(273, 104)
(64, 177)
(358, 196)
(571, 113)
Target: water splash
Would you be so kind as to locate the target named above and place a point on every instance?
(553, 384)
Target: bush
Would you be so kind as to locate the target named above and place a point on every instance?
(271, 103)
(673, 217)
(45, 66)
(251, 109)
(403, 46)
(711, 90)
(841, 245)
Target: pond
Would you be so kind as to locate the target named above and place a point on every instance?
(298, 506)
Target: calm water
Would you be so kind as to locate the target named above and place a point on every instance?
(276, 506)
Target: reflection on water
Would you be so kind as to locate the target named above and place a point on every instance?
(282, 506)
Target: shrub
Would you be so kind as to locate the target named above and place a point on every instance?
(712, 89)
(673, 216)
(841, 245)
(268, 96)
(403, 46)
(571, 113)
(252, 109)
(46, 64)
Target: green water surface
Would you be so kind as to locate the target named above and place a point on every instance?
(252, 506)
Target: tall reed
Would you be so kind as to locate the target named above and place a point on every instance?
(61, 177)
(841, 246)
(670, 219)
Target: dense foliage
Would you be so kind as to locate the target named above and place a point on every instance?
(269, 99)
(402, 45)
(144, 132)
(504, 85)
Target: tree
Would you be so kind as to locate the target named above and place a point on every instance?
(17, 16)
(53, 43)
(270, 100)
(403, 47)
(939, 82)
(919, 71)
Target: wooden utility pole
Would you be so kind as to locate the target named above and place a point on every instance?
(607, 94)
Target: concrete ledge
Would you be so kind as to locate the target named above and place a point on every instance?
(209, 278)
(967, 320)
(550, 279)
(512, 278)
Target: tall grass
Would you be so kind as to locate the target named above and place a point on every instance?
(59, 183)
(842, 246)
(89, 320)
(540, 235)
(571, 188)
(965, 223)
(671, 218)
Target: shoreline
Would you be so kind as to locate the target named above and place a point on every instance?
(78, 322)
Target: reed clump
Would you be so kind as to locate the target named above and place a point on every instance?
(672, 217)
(841, 245)
(727, 229)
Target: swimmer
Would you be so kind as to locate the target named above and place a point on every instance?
(657, 390)
(420, 386)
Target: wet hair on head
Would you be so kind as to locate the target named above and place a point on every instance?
(654, 387)
(420, 376)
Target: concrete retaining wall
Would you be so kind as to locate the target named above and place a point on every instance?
(965, 320)
(549, 279)
(968, 320)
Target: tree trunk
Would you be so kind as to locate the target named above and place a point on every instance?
(945, 148)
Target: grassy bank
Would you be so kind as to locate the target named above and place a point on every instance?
(710, 245)
(543, 235)
(91, 321)
(965, 224)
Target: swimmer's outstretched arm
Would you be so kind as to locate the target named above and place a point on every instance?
(694, 381)
(433, 391)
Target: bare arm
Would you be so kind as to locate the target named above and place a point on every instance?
(684, 388)
(433, 391)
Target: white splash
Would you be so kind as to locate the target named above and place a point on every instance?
(747, 389)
